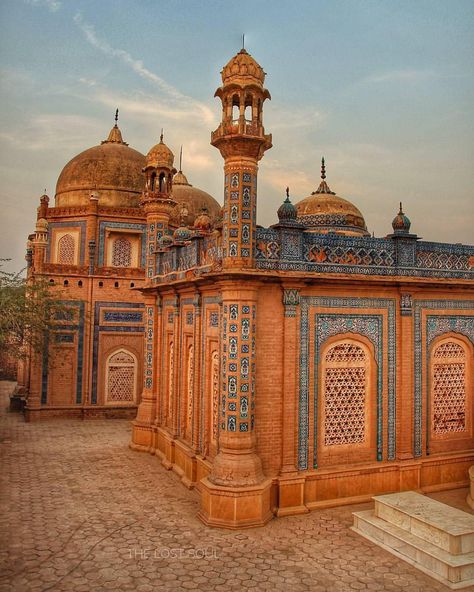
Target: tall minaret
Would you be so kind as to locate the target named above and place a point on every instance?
(156, 199)
(242, 142)
(236, 492)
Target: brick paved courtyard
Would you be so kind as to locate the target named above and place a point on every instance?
(82, 512)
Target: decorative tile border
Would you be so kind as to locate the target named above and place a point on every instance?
(76, 327)
(435, 325)
(105, 225)
(81, 224)
(345, 303)
(110, 328)
(371, 326)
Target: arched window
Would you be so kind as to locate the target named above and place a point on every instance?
(345, 388)
(121, 377)
(214, 397)
(66, 250)
(448, 388)
(122, 252)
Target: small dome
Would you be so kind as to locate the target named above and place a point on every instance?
(244, 66)
(182, 234)
(401, 223)
(160, 156)
(165, 241)
(323, 211)
(193, 199)
(287, 211)
(113, 170)
(203, 221)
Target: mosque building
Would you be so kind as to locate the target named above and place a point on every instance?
(276, 370)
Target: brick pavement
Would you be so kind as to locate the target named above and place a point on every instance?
(81, 512)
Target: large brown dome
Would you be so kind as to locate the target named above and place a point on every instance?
(113, 170)
(323, 211)
(193, 199)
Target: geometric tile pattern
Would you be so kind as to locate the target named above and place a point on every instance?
(121, 253)
(435, 325)
(66, 250)
(345, 388)
(121, 377)
(449, 388)
(327, 325)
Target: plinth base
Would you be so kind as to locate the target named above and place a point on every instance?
(239, 507)
(142, 437)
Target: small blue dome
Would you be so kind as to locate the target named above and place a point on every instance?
(401, 223)
(287, 211)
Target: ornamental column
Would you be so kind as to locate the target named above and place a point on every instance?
(236, 493)
(142, 432)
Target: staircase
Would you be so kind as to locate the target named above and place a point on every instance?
(434, 537)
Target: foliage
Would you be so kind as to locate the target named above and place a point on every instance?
(28, 310)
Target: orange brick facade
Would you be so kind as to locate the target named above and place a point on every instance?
(277, 370)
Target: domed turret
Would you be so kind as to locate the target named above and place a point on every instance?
(160, 156)
(287, 211)
(203, 221)
(112, 169)
(401, 223)
(243, 66)
(323, 211)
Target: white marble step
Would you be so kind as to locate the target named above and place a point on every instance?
(441, 525)
(455, 571)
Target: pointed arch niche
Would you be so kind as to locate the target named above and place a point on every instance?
(450, 397)
(347, 402)
(121, 378)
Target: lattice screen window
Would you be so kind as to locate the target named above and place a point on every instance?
(215, 396)
(122, 252)
(345, 394)
(121, 371)
(66, 250)
(449, 388)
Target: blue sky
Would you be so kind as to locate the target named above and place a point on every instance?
(384, 90)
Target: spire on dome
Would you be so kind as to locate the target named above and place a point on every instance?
(115, 135)
(161, 136)
(323, 186)
(180, 159)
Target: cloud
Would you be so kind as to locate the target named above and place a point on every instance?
(51, 5)
(402, 76)
(138, 67)
(64, 133)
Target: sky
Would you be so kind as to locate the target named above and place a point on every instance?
(383, 90)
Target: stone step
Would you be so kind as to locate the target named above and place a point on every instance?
(448, 528)
(455, 571)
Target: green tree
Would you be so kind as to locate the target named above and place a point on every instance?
(29, 309)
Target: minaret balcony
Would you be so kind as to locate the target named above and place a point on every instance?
(241, 126)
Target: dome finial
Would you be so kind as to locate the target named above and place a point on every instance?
(401, 223)
(243, 40)
(161, 136)
(116, 116)
(181, 159)
(287, 200)
(323, 186)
